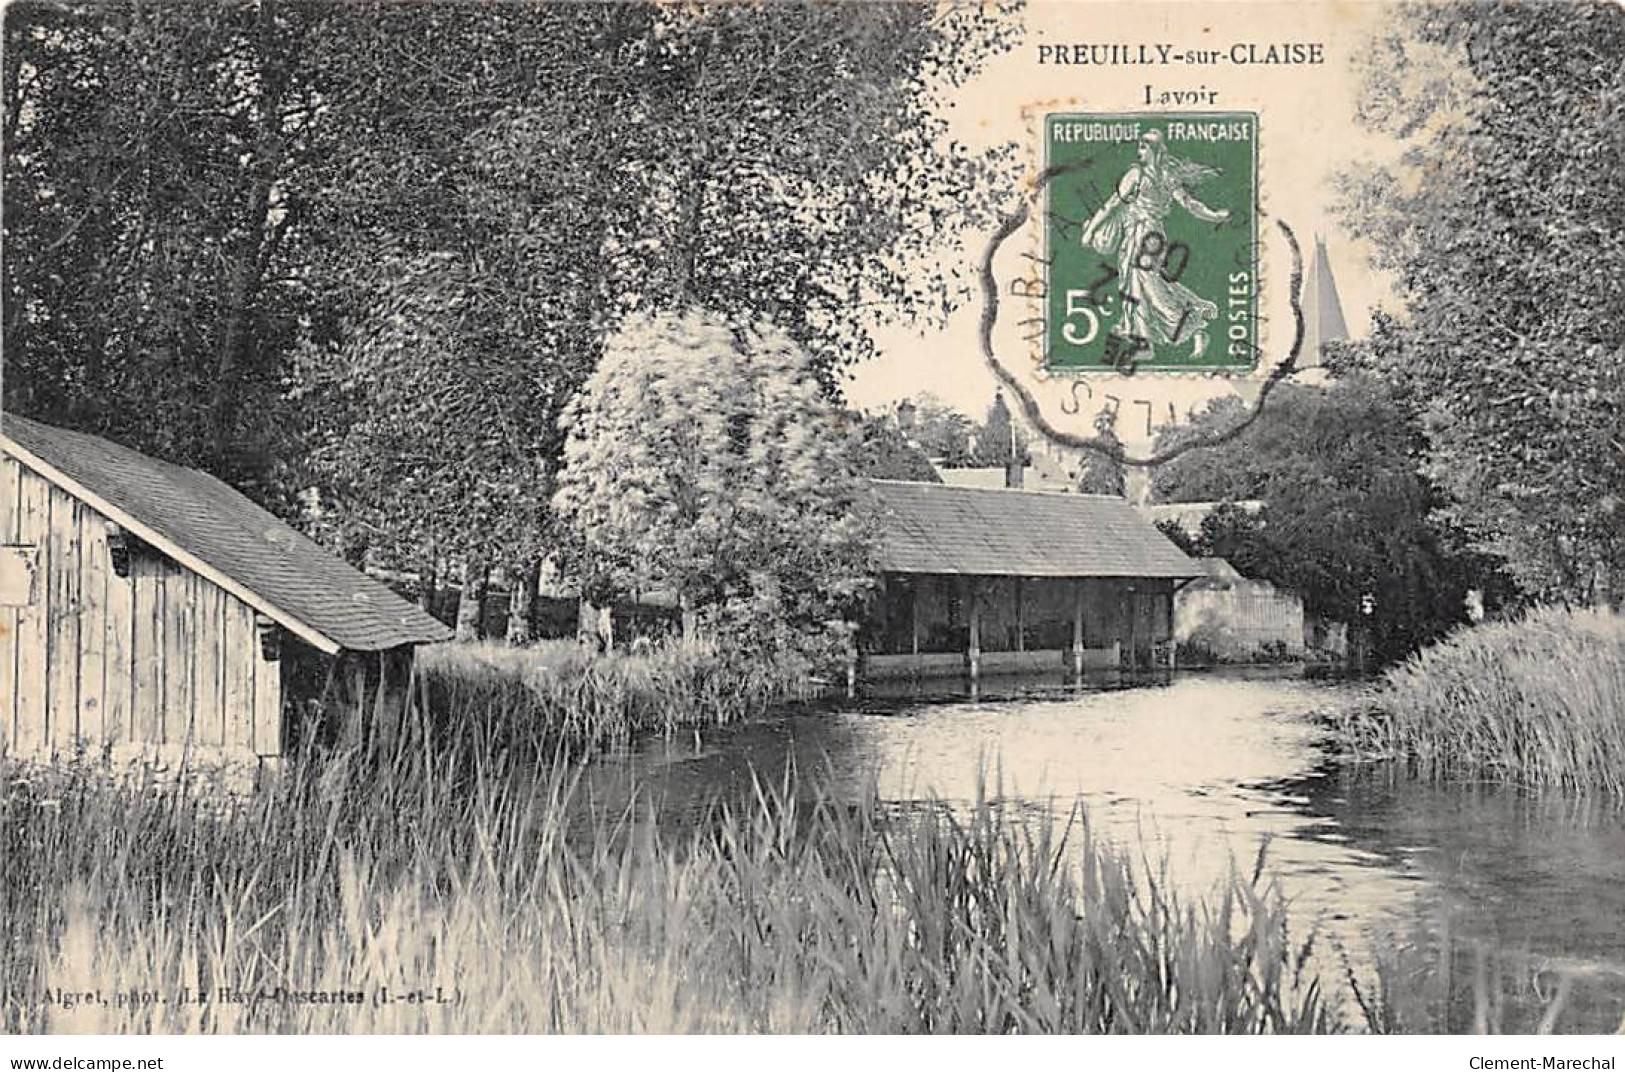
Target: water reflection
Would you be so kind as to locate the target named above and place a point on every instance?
(1198, 773)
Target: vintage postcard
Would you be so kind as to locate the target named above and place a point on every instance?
(650, 518)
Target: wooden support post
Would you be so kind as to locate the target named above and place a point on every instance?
(355, 715)
(1131, 609)
(267, 771)
(1021, 618)
(386, 706)
(1077, 629)
(1172, 646)
(974, 615)
(914, 615)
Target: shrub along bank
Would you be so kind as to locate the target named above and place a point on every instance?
(1537, 701)
(564, 693)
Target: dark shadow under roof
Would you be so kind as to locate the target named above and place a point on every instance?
(189, 513)
(941, 528)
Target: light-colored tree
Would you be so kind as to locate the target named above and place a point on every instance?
(702, 458)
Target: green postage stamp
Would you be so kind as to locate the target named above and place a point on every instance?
(1151, 230)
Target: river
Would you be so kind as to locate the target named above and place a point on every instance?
(1485, 898)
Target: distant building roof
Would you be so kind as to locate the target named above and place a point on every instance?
(1219, 572)
(215, 531)
(1041, 474)
(1047, 473)
(943, 528)
(980, 476)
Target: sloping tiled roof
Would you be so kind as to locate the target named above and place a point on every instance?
(187, 514)
(940, 528)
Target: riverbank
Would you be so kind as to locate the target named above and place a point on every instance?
(1538, 701)
(461, 876)
(828, 870)
(562, 693)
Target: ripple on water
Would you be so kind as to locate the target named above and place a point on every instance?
(1199, 773)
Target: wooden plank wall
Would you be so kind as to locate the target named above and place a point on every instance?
(162, 657)
(10, 508)
(33, 517)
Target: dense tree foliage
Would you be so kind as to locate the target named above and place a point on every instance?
(941, 431)
(704, 459)
(1348, 518)
(157, 159)
(373, 248)
(1501, 222)
(884, 451)
(1175, 531)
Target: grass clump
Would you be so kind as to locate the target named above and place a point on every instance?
(564, 693)
(487, 877)
(1536, 701)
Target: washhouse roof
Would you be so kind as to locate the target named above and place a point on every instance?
(942, 528)
(215, 531)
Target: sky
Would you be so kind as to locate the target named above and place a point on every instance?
(1306, 134)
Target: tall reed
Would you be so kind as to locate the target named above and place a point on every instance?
(1537, 701)
(484, 875)
(560, 692)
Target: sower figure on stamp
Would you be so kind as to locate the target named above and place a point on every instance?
(1157, 309)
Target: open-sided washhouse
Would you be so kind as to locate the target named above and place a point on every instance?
(988, 580)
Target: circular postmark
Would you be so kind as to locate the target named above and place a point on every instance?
(1148, 264)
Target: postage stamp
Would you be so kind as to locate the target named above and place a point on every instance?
(1151, 242)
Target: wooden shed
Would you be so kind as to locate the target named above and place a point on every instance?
(146, 608)
(986, 580)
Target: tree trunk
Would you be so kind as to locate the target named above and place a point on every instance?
(691, 196)
(596, 625)
(354, 550)
(1605, 590)
(429, 585)
(522, 605)
(690, 618)
(688, 238)
(586, 622)
(550, 578)
(471, 601)
(235, 336)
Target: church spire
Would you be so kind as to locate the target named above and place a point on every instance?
(1322, 311)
